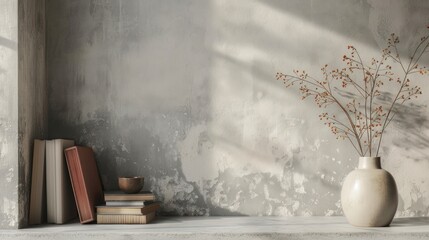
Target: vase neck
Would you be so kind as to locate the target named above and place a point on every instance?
(369, 163)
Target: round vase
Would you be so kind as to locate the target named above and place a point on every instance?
(369, 195)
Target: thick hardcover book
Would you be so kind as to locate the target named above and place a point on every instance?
(133, 210)
(60, 202)
(37, 212)
(85, 181)
(125, 219)
(129, 203)
(119, 196)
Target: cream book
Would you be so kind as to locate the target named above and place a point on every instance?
(125, 218)
(61, 206)
(37, 212)
(130, 210)
(120, 196)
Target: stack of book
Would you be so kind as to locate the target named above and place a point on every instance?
(66, 184)
(122, 208)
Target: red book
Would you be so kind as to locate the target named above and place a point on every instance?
(85, 181)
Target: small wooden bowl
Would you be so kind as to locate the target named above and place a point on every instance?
(131, 184)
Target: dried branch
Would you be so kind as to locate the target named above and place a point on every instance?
(364, 118)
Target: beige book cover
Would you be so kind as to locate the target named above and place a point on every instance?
(37, 211)
(125, 219)
(131, 210)
(120, 196)
(61, 206)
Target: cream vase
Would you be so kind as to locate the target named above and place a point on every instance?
(369, 195)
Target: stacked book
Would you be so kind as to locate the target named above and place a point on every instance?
(122, 208)
(66, 184)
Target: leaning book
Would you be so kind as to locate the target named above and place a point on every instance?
(86, 183)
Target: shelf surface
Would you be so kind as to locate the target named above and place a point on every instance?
(228, 228)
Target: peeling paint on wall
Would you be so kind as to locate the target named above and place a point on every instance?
(8, 114)
(23, 103)
(184, 94)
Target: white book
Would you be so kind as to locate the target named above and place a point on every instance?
(37, 211)
(61, 206)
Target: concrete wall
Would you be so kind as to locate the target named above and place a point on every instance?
(23, 103)
(184, 93)
(8, 113)
(32, 95)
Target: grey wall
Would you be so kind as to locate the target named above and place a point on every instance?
(183, 93)
(8, 113)
(23, 103)
(32, 95)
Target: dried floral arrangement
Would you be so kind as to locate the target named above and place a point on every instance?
(359, 91)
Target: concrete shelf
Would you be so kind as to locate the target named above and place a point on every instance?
(246, 228)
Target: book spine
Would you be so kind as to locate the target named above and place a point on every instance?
(128, 210)
(129, 197)
(50, 181)
(59, 180)
(125, 203)
(124, 219)
(78, 185)
(37, 183)
(119, 211)
(60, 208)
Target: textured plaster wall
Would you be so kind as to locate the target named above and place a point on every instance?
(8, 113)
(183, 93)
(32, 95)
(23, 103)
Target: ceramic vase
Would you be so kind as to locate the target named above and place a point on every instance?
(369, 196)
